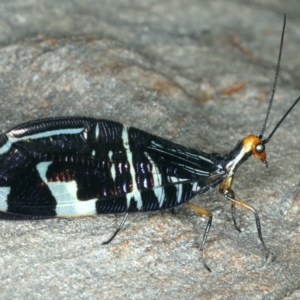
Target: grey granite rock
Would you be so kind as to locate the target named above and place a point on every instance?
(197, 72)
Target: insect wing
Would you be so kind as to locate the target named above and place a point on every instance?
(83, 166)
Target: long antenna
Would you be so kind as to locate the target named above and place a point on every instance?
(281, 120)
(275, 80)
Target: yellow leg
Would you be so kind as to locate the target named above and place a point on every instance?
(207, 213)
(225, 189)
(200, 210)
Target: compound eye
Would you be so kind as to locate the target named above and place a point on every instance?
(260, 148)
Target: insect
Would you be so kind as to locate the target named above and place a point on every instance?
(74, 166)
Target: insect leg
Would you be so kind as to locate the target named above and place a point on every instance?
(208, 214)
(225, 186)
(233, 216)
(229, 195)
(225, 189)
(116, 232)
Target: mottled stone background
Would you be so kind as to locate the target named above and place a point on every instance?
(197, 72)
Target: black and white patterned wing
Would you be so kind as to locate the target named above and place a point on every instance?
(82, 166)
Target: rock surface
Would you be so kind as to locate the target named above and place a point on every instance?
(197, 72)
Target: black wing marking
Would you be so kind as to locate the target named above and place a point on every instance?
(74, 166)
